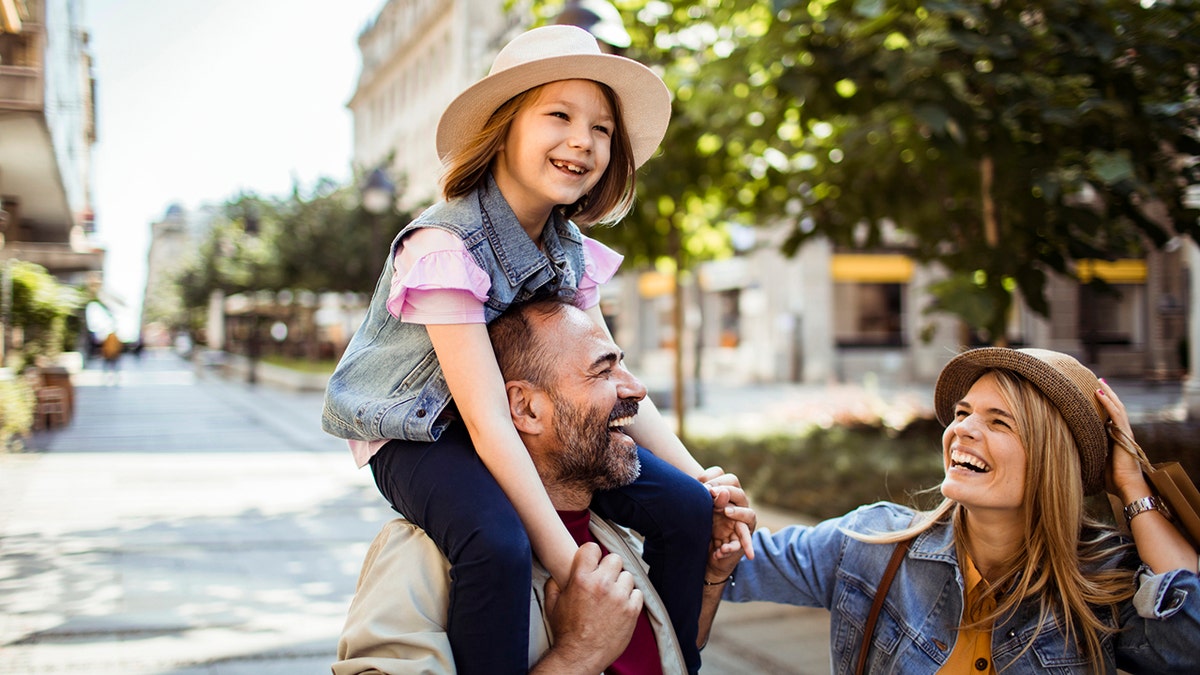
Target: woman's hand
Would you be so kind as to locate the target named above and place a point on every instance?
(1159, 544)
(1123, 474)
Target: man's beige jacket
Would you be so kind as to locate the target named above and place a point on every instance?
(397, 620)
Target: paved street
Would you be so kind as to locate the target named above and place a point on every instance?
(185, 524)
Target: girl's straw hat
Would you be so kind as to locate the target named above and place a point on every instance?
(553, 53)
(1069, 385)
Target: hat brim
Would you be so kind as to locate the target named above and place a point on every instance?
(644, 99)
(1068, 384)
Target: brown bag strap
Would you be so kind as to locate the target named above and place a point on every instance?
(877, 605)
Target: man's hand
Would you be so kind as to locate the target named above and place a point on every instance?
(593, 617)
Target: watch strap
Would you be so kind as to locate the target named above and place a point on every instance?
(1151, 503)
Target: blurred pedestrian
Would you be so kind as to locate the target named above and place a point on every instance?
(111, 350)
(1009, 573)
(550, 138)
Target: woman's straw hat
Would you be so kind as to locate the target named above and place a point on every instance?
(553, 53)
(1069, 385)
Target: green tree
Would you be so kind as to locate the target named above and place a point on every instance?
(320, 240)
(42, 308)
(1005, 140)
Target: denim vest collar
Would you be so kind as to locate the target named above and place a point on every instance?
(517, 254)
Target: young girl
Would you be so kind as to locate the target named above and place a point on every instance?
(554, 132)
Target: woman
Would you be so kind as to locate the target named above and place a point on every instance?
(1008, 574)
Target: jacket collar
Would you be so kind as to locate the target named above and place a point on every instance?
(518, 255)
(936, 543)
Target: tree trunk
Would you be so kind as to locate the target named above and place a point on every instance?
(679, 400)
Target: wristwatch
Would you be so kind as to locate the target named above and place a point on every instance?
(1151, 503)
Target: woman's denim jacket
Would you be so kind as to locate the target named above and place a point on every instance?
(822, 566)
(388, 383)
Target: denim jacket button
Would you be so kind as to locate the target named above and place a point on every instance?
(420, 412)
(1012, 633)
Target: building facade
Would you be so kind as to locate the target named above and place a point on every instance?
(417, 55)
(47, 129)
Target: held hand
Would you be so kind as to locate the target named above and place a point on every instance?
(593, 617)
(730, 504)
(733, 521)
(1123, 474)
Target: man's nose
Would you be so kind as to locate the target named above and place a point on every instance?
(630, 387)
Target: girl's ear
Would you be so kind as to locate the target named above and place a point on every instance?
(529, 407)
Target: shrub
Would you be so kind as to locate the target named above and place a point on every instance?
(827, 471)
(16, 413)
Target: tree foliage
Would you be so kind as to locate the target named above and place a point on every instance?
(43, 308)
(320, 241)
(1004, 139)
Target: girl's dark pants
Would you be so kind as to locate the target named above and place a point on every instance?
(445, 488)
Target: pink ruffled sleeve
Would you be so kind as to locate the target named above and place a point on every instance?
(600, 263)
(436, 281)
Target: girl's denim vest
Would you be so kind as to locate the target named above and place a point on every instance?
(389, 383)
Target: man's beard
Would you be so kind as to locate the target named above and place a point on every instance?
(591, 456)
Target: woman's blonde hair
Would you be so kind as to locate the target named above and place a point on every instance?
(1056, 565)
(609, 201)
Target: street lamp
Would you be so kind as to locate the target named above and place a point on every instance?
(378, 193)
(599, 18)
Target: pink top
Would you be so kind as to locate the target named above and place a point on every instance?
(436, 281)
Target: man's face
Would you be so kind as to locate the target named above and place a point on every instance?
(594, 398)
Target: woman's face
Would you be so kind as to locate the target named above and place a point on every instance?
(981, 452)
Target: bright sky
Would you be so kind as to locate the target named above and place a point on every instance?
(198, 99)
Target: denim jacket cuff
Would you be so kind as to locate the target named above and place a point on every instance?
(1155, 598)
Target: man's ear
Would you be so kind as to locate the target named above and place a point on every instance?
(529, 407)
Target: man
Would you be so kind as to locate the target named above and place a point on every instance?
(608, 614)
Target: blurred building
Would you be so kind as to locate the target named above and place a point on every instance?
(173, 240)
(417, 55)
(825, 315)
(47, 128)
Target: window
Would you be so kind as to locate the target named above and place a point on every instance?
(868, 314)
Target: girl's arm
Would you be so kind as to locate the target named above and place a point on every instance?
(469, 364)
(1159, 544)
(650, 430)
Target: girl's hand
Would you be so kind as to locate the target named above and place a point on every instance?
(1123, 474)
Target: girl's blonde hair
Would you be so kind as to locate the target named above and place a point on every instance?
(609, 201)
(1056, 565)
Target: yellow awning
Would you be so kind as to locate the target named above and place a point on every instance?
(1124, 271)
(654, 284)
(872, 269)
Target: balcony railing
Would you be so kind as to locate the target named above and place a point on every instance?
(21, 88)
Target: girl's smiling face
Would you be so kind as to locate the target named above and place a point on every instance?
(556, 150)
(982, 454)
